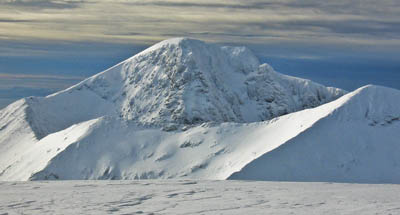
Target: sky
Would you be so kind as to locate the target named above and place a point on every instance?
(48, 45)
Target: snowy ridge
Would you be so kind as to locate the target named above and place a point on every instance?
(230, 150)
(16, 134)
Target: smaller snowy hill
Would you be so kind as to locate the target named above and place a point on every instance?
(358, 141)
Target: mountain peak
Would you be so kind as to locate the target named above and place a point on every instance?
(187, 81)
(181, 42)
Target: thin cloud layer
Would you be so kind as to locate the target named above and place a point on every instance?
(30, 81)
(41, 4)
(251, 21)
(16, 86)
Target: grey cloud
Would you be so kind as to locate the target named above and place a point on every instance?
(219, 34)
(343, 17)
(365, 7)
(42, 4)
(198, 4)
(9, 82)
(124, 34)
(20, 92)
(373, 28)
(43, 77)
(244, 4)
(14, 20)
(362, 27)
(40, 48)
(335, 7)
(251, 21)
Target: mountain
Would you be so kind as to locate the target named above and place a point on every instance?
(186, 109)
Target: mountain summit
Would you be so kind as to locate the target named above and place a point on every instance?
(185, 81)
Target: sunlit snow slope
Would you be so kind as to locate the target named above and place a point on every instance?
(187, 109)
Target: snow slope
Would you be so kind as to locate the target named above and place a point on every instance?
(358, 141)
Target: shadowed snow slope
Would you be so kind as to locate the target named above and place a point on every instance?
(186, 109)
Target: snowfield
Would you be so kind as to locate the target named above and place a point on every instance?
(184, 109)
(196, 197)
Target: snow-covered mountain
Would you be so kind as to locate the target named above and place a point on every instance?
(186, 109)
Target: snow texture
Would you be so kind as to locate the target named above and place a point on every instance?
(196, 197)
(186, 109)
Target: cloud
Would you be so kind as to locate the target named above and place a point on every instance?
(16, 86)
(20, 92)
(52, 82)
(14, 20)
(51, 49)
(342, 23)
(32, 76)
(41, 4)
(137, 20)
(199, 4)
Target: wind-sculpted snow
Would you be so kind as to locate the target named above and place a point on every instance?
(187, 109)
(197, 197)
